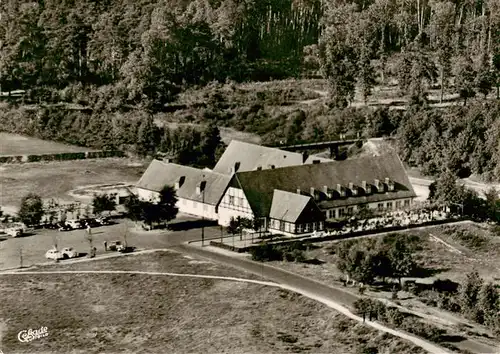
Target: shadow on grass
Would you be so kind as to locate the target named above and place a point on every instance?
(421, 272)
(191, 224)
(314, 261)
(451, 338)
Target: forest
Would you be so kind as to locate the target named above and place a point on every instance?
(89, 70)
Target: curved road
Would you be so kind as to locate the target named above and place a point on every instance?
(310, 294)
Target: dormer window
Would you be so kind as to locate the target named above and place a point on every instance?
(353, 188)
(379, 185)
(327, 192)
(200, 187)
(180, 182)
(341, 190)
(390, 184)
(366, 187)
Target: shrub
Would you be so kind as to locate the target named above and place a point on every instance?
(394, 317)
(266, 252)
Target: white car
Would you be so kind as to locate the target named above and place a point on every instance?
(74, 224)
(14, 231)
(69, 252)
(54, 254)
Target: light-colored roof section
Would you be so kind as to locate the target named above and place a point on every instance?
(159, 174)
(250, 157)
(313, 158)
(287, 206)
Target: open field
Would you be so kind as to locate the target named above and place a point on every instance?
(14, 144)
(56, 179)
(93, 313)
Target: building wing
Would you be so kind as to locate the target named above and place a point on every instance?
(241, 156)
(188, 181)
(360, 180)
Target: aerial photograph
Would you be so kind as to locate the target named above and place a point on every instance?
(249, 176)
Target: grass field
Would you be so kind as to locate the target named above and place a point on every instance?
(161, 314)
(56, 179)
(13, 144)
(469, 247)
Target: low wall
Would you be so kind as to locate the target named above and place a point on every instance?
(67, 156)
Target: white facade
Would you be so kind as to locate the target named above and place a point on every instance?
(233, 204)
(185, 206)
(386, 205)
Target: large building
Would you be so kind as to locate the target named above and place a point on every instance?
(288, 194)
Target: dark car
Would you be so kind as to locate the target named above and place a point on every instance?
(90, 222)
(64, 227)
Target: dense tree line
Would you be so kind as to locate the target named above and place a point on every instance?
(463, 140)
(145, 52)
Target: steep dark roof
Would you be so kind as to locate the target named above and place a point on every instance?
(251, 156)
(159, 174)
(259, 186)
(293, 207)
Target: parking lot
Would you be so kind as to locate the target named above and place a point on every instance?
(32, 247)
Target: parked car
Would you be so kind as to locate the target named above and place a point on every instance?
(69, 252)
(90, 221)
(64, 227)
(74, 224)
(103, 221)
(14, 231)
(115, 245)
(54, 254)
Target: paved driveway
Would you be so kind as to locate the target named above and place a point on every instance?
(34, 246)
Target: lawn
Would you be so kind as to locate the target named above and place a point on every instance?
(56, 179)
(13, 144)
(94, 313)
(469, 247)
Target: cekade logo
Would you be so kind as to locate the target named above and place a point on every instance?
(29, 335)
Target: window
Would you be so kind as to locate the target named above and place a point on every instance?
(380, 206)
(300, 228)
(331, 214)
(398, 204)
(231, 200)
(341, 212)
(282, 225)
(240, 202)
(407, 203)
(308, 227)
(389, 205)
(350, 211)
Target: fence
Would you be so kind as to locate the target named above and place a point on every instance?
(67, 156)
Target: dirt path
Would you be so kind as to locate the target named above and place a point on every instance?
(332, 304)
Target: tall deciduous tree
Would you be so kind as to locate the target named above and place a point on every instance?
(31, 210)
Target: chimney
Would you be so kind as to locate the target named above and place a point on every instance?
(312, 192)
(298, 191)
(237, 166)
(166, 160)
(353, 188)
(379, 186)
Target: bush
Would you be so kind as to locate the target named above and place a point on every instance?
(266, 252)
(394, 317)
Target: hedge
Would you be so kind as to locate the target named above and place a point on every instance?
(62, 156)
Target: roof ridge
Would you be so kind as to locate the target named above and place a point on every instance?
(190, 168)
